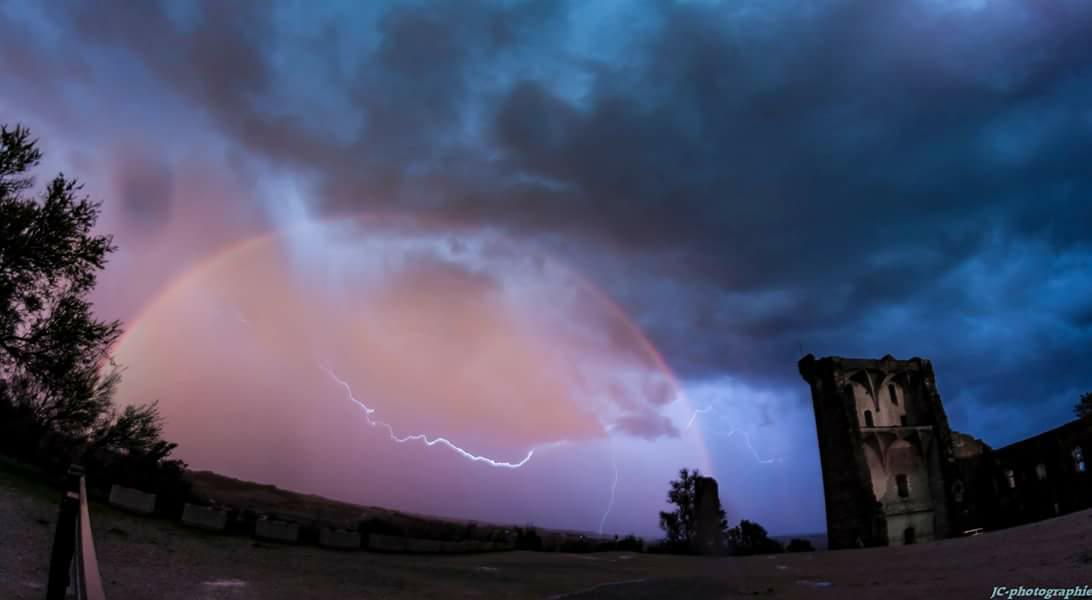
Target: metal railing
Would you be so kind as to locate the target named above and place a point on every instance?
(73, 560)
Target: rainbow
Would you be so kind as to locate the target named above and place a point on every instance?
(234, 249)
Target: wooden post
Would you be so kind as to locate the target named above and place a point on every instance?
(64, 537)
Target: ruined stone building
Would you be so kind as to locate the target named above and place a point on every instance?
(1041, 477)
(885, 448)
(894, 472)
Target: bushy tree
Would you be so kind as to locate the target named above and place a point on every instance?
(799, 545)
(527, 538)
(56, 377)
(751, 538)
(52, 349)
(1083, 409)
(680, 525)
(630, 543)
(136, 430)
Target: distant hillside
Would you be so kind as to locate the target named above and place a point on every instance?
(269, 499)
(301, 507)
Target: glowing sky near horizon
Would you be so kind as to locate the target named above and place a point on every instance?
(748, 180)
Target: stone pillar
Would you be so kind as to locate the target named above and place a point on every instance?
(708, 537)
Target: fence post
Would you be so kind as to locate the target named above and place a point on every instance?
(64, 538)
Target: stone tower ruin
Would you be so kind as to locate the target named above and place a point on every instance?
(708, 536)
(889, 469)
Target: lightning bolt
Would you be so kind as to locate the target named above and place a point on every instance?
(613, 489)
(751, 447)
(746, 437)
(420, 437)
(700, 411)
(372, 422)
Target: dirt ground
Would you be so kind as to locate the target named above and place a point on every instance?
(144, 558)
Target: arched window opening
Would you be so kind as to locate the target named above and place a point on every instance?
(1078, 459)
(868, 419)
(909, 536)
(1010, 478)
(1040, 471)
(957, 492)
(903, 484)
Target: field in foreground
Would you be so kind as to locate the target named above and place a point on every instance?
(147, 558)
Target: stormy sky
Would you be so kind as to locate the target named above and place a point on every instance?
(748, 180)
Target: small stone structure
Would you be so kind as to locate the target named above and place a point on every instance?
(339, 539)
(204, 517)
(277, 531)
(132, 500)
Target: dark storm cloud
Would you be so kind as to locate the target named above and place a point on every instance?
(801, 176)
(144, 190)
(218, 61)
(647, 426)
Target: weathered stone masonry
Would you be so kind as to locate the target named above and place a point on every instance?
(889, 469)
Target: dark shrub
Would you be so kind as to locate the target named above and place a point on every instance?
(751, 538)
(631, 543)
(578, 545)
(799, 545)
(380, 526)
(528, 539)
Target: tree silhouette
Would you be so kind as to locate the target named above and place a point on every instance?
(751, 538)
(51, 347)
(55, 373)
(1083, 408)
(136, 430)
(680, 525)
(799, 545)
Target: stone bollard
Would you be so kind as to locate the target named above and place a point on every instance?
(386, 543)
(277, 531)
(339, 539)
(204, 517)
(132, 500)
(429, 546)
(452, 547)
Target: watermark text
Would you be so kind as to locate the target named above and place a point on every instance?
(1046, 593)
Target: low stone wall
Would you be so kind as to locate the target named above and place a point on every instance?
(216, 520)
(429, 546)
(339, 539)
(277, 531)
(132, 500)
(204, 517)
(387, 543)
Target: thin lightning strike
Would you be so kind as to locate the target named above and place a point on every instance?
(368, 411)
(700, 411)
(613, 489)
(746, 437)
(750, 446)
